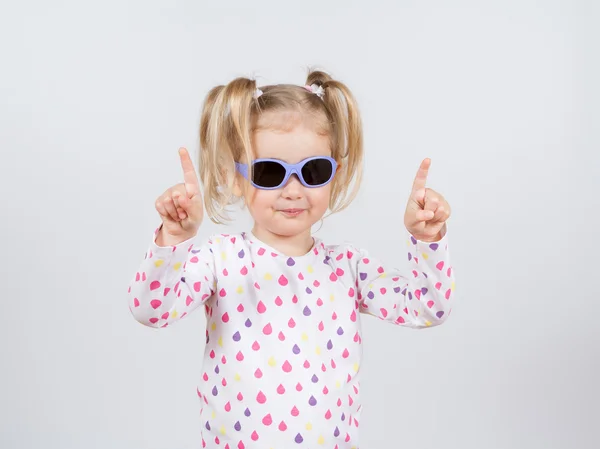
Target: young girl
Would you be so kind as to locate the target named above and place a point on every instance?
(283, 340)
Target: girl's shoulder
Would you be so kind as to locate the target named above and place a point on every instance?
(341, 253)
(225, 241)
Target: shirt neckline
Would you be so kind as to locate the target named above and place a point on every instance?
(313, 251)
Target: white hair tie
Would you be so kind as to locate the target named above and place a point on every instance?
(316, 89)
(257, 93)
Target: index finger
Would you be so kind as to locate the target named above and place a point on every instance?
(421, 178)
(190, 178)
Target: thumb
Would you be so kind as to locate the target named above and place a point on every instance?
(416, 201)
(193, 207)
(419, 197)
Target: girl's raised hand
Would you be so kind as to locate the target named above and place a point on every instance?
(427, 210)
(181, 207)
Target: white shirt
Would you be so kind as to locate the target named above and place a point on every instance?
(283, 353)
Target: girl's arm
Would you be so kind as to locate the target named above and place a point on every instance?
(422, 299)
(172, 282)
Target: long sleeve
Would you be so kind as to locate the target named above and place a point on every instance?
(421, 299)
(172, 282)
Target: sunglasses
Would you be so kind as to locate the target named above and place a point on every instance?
(271, 174)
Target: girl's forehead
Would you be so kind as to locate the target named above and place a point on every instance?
(291, 145)
(289, 136)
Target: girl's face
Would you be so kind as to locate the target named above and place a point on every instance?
(292, 209)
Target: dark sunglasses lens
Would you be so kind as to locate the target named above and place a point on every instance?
(268, 173)
(317, 171)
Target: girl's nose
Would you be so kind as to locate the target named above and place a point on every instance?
(293, 188)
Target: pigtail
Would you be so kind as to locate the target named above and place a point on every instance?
(347, 138)
(225, 130)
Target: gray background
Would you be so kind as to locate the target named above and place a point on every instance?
(95, 99)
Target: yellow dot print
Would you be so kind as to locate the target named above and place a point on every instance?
(220, 341)
(240, 289)
(214, 326)
(321, 440)
(304, 336)
(237, 377)
(332, 298)
(309, 269)
(268, 276)
(272, 361)
(355, 367)
(223, 255)
(177, 266)
(158, 263)
(174, 314)
(318, 350)
(222, 430)
(425, 256)
(338, 384)
(308, 426)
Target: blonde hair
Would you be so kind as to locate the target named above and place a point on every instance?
(230, 115)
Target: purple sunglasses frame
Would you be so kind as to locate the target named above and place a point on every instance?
(290, 169)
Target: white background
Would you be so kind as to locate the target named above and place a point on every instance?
(95, 99)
